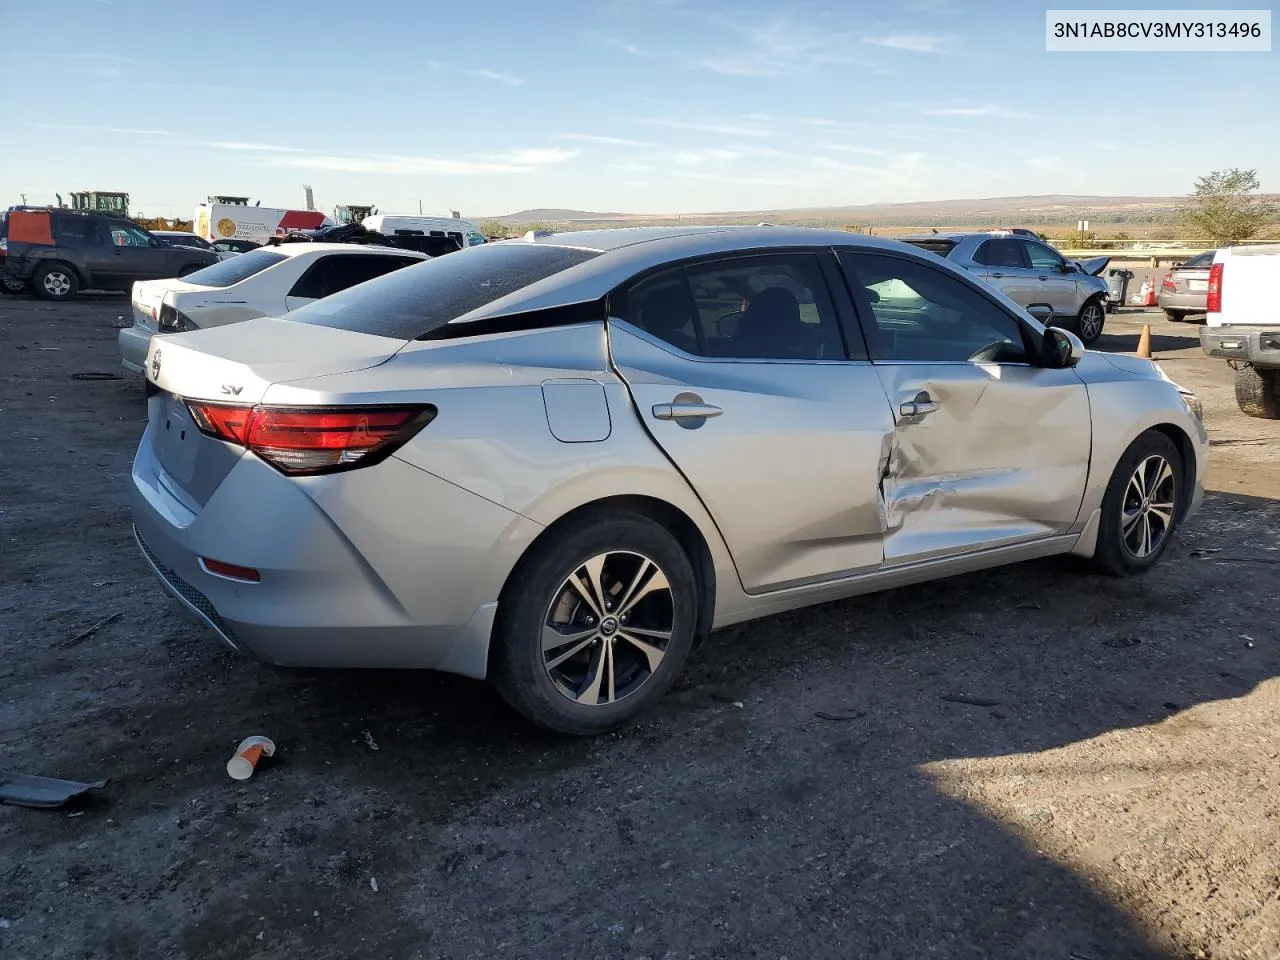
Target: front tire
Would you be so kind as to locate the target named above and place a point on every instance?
(1089, 321)
(595, 624)
(1258, 392)
(55, 281)
(1141, 506)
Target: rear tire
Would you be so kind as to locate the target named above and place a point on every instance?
(1258, 392)
(1089, 321)
(1141, 506)
(568, 661)
(55, 281)
(1175, 316)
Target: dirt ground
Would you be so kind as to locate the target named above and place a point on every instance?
(806, 792)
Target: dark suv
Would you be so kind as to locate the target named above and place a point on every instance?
(57, 252)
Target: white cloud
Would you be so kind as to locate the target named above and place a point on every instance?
(93, 129)
(778, 47)
(1053, 164)
(915, 42)
(607, 141)
(533, 156)
(104, 57)
(696, 158)
(257, 147)
(853, 148)
(512, 161)
(752, 181)
(728, 129)
(985, 110)
(498, 76)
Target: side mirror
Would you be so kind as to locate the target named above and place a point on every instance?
(1062, 349)
(1042, 312)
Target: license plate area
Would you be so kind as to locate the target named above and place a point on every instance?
(177, 438)
(1197, 286)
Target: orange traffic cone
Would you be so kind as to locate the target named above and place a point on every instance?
(1144, 342)
(1150, 299)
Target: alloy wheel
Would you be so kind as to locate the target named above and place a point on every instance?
(1091, 319)
(1146, 516)
(608, 628)
(57, 283)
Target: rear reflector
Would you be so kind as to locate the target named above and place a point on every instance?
(309, 440)
(231, 570)
(1213, 300)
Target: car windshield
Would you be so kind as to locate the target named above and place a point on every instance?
(412, 302)
(227, 272)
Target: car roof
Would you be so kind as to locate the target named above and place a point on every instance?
(957, 235)
(626, 252)
(300, 247)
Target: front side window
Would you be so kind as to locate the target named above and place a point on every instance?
(766, 307)
(919, 313)
(123, 235)
(1042, 258)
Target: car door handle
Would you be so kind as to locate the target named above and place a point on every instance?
(1044, 278)
(998, 276)
(685, 411)
(921, 405)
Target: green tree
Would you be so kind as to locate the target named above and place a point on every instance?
(1226, 208)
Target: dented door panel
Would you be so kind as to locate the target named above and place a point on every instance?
(788, 462)
(1000, 456)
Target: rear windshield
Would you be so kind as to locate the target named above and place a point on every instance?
(1201, 260)
(940, 247)
(227, 272)
(412, 302)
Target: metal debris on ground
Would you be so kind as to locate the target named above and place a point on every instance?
(95, 375)
(839, 717)
(369, 741)
(42, 793)
(86, 634)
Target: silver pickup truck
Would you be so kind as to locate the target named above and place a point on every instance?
(1243, 324)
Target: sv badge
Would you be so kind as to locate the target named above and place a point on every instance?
(232, 390)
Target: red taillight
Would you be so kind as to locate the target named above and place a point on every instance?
(305, 440)
(1167, 283)
(1213, 300)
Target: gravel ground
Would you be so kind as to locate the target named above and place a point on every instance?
(807, 791)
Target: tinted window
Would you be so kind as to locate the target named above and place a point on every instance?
(940, 247)
(1000, 253)
(773, 307)
(332, 274)
(78, 231)
(411, 303)
(227, 272)
(920, 313)
(1201, 260)
(186, 240)
(1041, 257)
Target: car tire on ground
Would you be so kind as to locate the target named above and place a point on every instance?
(1258, 392)
(1141, 506)
(1175, 316)
(594, 623)
(1089, 321)
(55, 281)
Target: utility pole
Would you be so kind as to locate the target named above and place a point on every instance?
(419, 208)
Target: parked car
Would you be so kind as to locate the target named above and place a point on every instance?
(58, 252)
(1242, 324)
(434, 244)
(555, 463)
(267, 282)
(231, 246)
(1184, 288)
(182, 238)
(1031, 273)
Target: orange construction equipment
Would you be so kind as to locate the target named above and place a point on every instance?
(1144, 342)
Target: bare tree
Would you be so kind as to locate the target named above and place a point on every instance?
(1226, 207)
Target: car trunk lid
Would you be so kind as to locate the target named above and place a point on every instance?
(235, 365)
(149, 295)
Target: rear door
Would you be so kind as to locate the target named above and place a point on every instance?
(335, 272)
(739, 371)
(1057, 287)
(1003, 264)
(989, 449)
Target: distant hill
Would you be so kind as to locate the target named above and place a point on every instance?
(554, 216)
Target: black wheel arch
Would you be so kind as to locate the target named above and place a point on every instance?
(1187, 453)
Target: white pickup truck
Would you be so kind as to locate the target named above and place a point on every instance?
(1243, 324)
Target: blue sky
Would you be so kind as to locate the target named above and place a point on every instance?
(657, 106)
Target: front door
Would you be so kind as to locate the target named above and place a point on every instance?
(739, 371)
(1057, 285)
(132, 257)
(990, 449)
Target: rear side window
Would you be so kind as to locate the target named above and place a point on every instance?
(227, 272)
(410, 304)
(1000, 253)
(335, 273)
(78, 231)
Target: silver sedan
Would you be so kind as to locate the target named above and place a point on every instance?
(1032, 274)
(556, 462)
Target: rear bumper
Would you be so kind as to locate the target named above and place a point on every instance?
(1256, 345)
(383, 567)
(133, 342)
(1190, 302)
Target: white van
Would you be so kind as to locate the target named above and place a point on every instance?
(389, 225)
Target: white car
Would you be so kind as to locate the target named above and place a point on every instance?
(267, 282)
